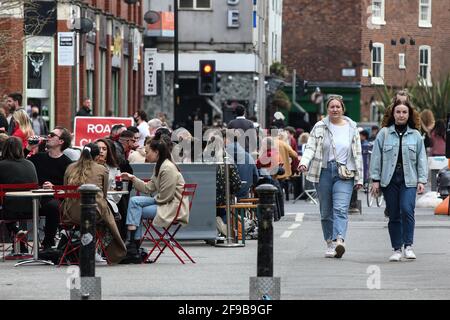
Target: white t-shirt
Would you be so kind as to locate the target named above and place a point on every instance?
(144, 132)
(341, 139)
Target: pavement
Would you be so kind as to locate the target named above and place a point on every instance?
(223, 273)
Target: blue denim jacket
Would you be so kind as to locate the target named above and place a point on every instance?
(385, 153)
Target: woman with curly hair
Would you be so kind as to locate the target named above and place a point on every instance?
(399, 166)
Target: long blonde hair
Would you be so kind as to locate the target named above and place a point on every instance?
(24, 122)
(82, 168)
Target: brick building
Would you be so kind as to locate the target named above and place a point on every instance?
(55, 67)
(350, 47)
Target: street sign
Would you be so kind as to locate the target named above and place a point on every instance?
(150, 72)
(66, 48)
(89, 129)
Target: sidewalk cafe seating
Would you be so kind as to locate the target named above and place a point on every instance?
(166, 238)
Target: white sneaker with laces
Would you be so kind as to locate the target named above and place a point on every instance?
(396, 256)
(409, 253)
(330, 253)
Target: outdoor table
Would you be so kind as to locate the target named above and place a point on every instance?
(35, 195)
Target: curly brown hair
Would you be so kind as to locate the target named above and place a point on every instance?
(413, 119)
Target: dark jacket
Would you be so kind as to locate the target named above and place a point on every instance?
(84, 112)
(21, 171)
(3, 123)
(243, 124)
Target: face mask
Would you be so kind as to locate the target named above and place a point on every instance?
(35, 114)
(136, 120)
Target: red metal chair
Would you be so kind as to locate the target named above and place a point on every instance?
(61, 193)
(71, 192)
(167, 237)
(14, 187)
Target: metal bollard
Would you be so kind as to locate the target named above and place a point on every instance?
(90, 288)
(265, 286)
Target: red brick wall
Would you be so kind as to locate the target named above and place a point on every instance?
(63, 88)
(321, 37)
(11, 56)
(406, 25)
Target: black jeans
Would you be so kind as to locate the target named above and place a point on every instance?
(50, 210)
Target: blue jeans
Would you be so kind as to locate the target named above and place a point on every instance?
(334, 200)
(401, 202)
(140, 207)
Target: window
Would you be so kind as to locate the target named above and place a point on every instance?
(425, 64)
(378, 12)
(425, 13)
(194, 4)
(401, 61)
(377, 63)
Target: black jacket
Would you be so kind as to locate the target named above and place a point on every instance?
(83, 112)
(22, 171)
(3, 123)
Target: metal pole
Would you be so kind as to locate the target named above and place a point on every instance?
(264, 286)
(294, 85)
(266, 206)
(175, 58)
(230, 242)
(90, 285)
(163, 91)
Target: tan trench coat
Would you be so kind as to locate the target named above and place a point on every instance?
(168, 186)
(98, 175)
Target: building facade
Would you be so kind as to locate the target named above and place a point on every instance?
(227, 32)
(60, 63)
(353, 47)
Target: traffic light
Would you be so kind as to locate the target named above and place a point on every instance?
(207, 78)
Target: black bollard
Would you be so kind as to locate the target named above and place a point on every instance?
(266, 206)
(264, 286)
(88, 239)
(90, 285)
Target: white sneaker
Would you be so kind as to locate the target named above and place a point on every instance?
(396, 256)
(409, 253)
(340, 248)
(99, 259)
(330, 253)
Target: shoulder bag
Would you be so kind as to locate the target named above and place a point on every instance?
(343, 171)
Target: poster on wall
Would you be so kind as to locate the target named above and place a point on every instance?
(66, 48)
(150, 72)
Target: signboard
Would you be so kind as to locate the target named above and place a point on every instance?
(89, 129)
(66, 48)
(349, 72)
(164, 27)
(150, 72)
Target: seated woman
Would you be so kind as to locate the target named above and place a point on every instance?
(14, 168)
(23, 129)
(108, 159)
(87, 171)
(167, 184)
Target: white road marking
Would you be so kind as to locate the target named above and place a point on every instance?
(294, 226)
(299, 217)
(286, 234)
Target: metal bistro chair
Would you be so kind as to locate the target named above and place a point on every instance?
(17, 241)
(167, 237)
(71, 192)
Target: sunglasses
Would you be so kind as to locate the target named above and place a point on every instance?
(52, 135)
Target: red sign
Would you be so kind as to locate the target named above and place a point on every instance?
(88, 129)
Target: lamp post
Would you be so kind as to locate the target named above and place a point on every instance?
(175, 58)
(80, 26)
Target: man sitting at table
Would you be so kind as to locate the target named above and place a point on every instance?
(50, 167)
